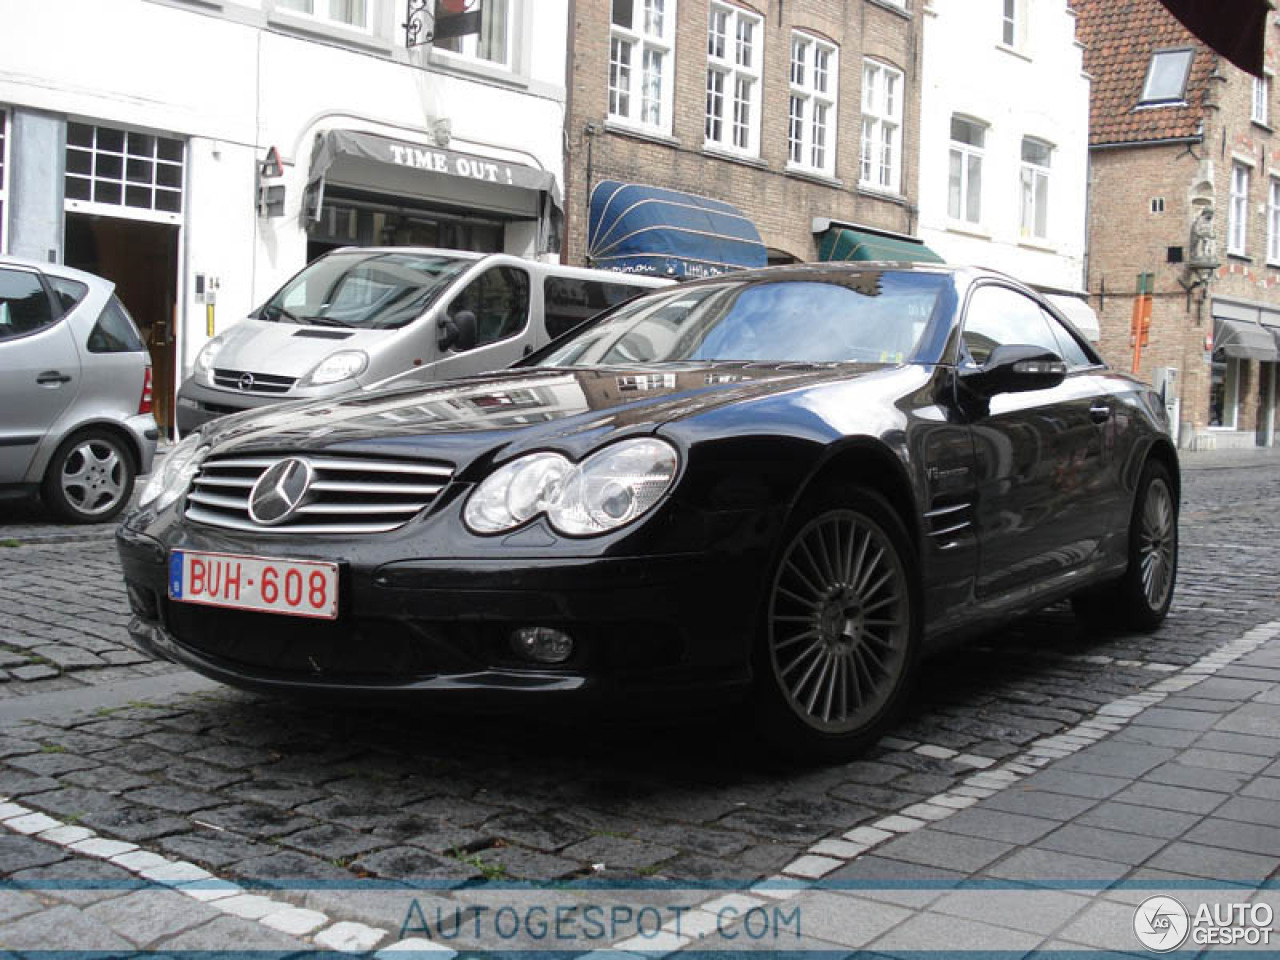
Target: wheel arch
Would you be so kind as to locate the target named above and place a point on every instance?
(127, 440)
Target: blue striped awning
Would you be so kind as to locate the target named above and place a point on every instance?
(666, 233)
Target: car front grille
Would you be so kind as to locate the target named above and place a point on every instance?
(246, 381)
(346, 495)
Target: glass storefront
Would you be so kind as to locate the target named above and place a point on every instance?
(349, 220)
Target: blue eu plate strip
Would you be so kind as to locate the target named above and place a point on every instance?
(175, 575)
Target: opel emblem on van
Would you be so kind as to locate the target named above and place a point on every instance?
(280, 491)
(246, 381)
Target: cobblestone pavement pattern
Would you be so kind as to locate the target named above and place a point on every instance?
(259, 791)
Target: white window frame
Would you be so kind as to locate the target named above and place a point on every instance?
(324, 17)
(1273, 221)
(1260, 108)
(881, 164)
(966, 153)
(1013, 24)
(123, 209)
(1033, 179)
(1149, 97)
(811, 100)
(1238, 210)
(6, 172)
(643, 43)
(734, 65)
(470, 42)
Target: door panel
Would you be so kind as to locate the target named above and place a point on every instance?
(499, 297)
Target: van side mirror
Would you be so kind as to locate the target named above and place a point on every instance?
(1015, 368)
(457, 331)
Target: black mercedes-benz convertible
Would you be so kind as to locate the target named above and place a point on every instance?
(785, 485)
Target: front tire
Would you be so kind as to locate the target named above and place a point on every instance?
(839, 640)
(90, 478)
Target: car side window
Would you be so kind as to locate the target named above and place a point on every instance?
(68, 292)
(999, 315)
(499, 298)
(114, 332)
(1070, 348)
(24, 305)
(570, 301)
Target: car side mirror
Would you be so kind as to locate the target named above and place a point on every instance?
(1015, 368)
(457, 331)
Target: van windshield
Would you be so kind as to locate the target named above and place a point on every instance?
(369, 291)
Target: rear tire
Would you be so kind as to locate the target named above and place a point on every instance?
(1140, 599)
(839, 637)
(90, 478)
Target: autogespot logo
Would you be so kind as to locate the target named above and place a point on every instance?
(1161, 924)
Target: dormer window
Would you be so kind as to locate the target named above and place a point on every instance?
(1167, 77)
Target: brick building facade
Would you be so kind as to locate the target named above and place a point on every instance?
(784, 145)
(1185, 204)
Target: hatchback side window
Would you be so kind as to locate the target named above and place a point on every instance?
(24, 305)
(499, 298)
(997, 316)
(68, 292)
(1069, 347)
(114, 332)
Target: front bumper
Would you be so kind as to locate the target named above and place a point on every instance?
(198, 404)
(440, 629)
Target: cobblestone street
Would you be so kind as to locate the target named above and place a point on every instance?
(305, 800)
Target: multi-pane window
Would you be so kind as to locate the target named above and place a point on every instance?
(124, 168)
(811, 126)
(1034, 187)
(1261, 112)
(1167, 73)
(734, 39)
(1012, 23)
(492, 42)
(348, 13)
(640, 62)
(964, 181)
(882, 97)
(1238, 210)
(1273, 221)
(4, 186)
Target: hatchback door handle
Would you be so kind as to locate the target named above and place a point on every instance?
(1100, 413)
(51, 378)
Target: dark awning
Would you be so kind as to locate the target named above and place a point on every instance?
(666, 233)
(1237, 29)
(1244, 341)
(412, 170)
(845, 243)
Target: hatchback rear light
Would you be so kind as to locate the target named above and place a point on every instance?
(144, 402)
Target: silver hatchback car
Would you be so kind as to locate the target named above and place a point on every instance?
(75, 392)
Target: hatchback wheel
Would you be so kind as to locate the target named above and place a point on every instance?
(839, 638)
(90, 478)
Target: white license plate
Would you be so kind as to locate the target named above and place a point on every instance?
(301, 588)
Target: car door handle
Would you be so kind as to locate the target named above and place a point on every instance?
(51, 378)
(1100, 413)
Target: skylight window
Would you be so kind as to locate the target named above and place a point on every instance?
(1167, 76)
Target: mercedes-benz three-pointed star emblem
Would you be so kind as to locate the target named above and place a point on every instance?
(280, 491)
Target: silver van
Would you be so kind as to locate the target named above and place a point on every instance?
(361, 314)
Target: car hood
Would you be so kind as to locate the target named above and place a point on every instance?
(288, 349)
(568, 409)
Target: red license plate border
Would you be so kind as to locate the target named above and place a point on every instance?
(338, 568)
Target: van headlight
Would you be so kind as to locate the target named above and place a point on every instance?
(205, 358)
(607, 490)
(342, 365)
(171, 478)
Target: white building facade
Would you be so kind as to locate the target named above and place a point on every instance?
(1004, 142)
(138, 140)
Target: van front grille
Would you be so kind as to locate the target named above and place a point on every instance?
(248, 382)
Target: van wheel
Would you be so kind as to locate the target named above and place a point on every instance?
(90, 478)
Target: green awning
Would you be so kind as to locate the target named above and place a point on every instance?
(841, 243)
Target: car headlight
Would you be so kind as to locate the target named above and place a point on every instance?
(342, 365)
(205, 358)
(609, 489)
(170, 480)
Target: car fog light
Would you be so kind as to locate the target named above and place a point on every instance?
(542, 644)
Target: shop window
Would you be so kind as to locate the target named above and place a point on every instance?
(4, 187)
(1167, 77)
(1224, 388)
(499, 298)
(124, 169)
(964, 178)
(24, 305)
(815, 78)
(641, 60)
(346, 13)
(882, 97)
(734, 39)
(1238, 210)
(1034, 188)
(492, 42)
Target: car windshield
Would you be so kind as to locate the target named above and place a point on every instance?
(371, 291)
(872, 317)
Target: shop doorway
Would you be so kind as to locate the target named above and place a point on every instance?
(141, 259)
